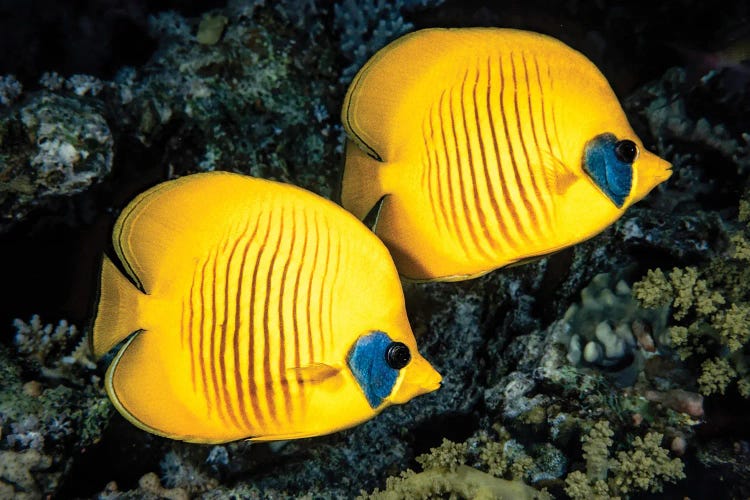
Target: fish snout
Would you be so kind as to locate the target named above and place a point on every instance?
(420, 378)
(651, 171)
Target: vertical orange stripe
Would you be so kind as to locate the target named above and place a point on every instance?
(190, 334)
(532, 120)
(481, 217)
(311, 350)
(525, 160)
(255, 328)
(238, 331)
(201, 349)
(504, 168)
(544, 113)
(455, 188)
(213, 361)
(462, 213)
(223, 341)
(516, 172)
(336, 248)
(494, 191)
(436, 198)
(295, 296)
(446, 167)
(271, 384)
(552, 105)
(324, 347)
(296, 304)
(285, 334)
(466, 216)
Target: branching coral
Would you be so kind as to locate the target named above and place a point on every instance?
(643, 467)
(710, 310)
(445, 472)
(60, 350)
(463, 482)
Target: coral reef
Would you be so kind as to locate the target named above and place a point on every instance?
(444, 472)
(50, 146)
(643, 467)
(710, 311)
(255, 87)
(52, 406)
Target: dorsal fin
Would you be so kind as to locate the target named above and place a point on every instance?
(170, 222)
(378, 108)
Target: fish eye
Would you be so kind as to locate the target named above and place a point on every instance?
(397, 355)
(626, 151)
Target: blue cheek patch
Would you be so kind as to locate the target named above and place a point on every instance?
(366, 360)
(612, 176)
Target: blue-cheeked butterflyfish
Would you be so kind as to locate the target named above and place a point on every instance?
(476, 148)
(248, 308)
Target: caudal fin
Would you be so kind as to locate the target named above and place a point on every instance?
(361, 186)
(116, 311)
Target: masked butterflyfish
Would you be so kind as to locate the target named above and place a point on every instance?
(477, 148)
(248, 308)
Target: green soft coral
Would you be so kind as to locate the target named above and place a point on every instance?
(445, 473)
(733, 325)
(710, 306)
(448, 455)
(596, 446)
(654, 290)
(462, 482)
(716, 374)
(644, 467)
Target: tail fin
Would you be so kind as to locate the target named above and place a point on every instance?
(360, 185)
(116, 311)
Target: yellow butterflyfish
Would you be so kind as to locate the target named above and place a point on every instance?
(251, 309)
(477, 148)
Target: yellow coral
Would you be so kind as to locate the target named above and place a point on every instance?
(654, 290)
(716, 375)
(463, 482)
(733, 326)
(448, 455)
(577, 487)
(596, 450)
(740, 247)
(645, 466)
(683, 282)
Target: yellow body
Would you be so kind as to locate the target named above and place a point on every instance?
(476, 138)
(250, 295)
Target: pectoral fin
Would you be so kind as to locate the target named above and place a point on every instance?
(315, 372)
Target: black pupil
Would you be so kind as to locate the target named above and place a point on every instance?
(397, 355)
(626, 151)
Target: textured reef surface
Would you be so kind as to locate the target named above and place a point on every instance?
(616, 368)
